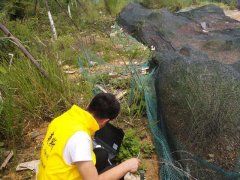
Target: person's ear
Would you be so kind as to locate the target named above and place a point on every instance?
(106, 121)
(103, 122)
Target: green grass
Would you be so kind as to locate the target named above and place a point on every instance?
(28, 96)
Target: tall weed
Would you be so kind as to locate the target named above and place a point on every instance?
(27, 96)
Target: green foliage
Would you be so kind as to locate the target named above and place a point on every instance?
(171, 4)
(65, 50)
(136, 99)
(120, 83)
(132, 146)
(147, 150)
(17, 10)
(115, 6)
(27, 95)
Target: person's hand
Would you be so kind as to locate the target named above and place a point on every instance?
(132, 164)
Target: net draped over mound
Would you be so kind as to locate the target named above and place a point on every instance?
(193, 95)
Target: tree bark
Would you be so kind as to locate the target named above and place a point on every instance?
(24, 50)
(51, 20)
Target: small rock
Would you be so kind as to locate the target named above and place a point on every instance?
(204, 25)
(211, 155)
(70, 72)
(92, 63)
(153, 48)
(210, 160)
(34, 134)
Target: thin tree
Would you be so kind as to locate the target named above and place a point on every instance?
(51, 20)
(69, 9)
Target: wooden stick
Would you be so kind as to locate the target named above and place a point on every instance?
(24, 50)
(10, 155)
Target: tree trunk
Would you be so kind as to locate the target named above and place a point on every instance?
(24, 50)
(51, 20)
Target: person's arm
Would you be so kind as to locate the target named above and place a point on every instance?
(88, 171)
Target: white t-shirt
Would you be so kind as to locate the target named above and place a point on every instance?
(78, 148)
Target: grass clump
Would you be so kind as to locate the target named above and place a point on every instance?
(27, 96)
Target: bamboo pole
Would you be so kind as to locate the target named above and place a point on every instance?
(24, 50)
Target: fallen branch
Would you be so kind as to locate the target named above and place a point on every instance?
(23, 49)
(10, 155)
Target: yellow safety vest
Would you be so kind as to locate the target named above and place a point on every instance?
(52, 165)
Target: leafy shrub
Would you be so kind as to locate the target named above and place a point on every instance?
(132, 146)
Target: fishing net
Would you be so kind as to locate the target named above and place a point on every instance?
(192, 96)
(192, 93)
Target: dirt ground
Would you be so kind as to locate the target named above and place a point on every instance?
(234, 14)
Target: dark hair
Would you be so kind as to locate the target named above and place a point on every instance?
(104, 105)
